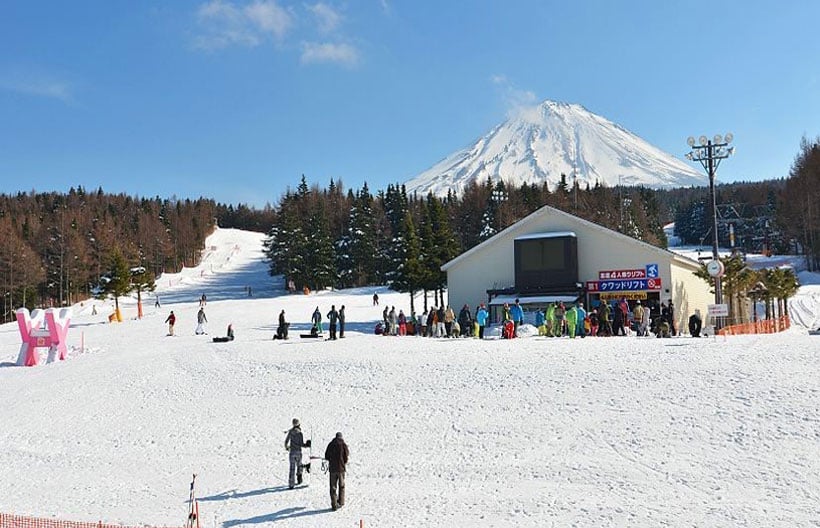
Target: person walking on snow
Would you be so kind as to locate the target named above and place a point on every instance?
(337, 454)
(171, 320)
(294, 442)
(200, 321)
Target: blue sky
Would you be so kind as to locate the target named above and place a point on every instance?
(235, 100)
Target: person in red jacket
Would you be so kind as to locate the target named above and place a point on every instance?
(336, 455)
(171, 320)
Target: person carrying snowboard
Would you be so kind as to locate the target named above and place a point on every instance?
(294, 442)
(336, 455)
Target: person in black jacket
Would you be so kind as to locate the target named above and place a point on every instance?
(332, 318)
(342, 321)
(336, 455)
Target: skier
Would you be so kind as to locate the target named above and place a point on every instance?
(317, 321)
(171, 320)
(375, 299)
(200, 320)
(294, 442)
(481, 318)
(156, 302)
(332, 318)
(342, 322)
(337, 454)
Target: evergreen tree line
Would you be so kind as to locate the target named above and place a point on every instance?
(58, 248)
(331, 238)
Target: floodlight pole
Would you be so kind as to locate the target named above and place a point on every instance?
(710, 153)
(710, 168)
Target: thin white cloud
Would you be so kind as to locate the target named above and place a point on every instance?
(341, 53)
(226, 24)
(327, 18)
(38, 86)
(514, 98)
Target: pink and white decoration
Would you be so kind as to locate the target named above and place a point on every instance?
(35, 335)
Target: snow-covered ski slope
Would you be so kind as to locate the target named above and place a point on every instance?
(529, 432)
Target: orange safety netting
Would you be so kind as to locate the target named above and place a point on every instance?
(20, 521)
(767, 326)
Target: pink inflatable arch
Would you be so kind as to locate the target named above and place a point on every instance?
(34, 335)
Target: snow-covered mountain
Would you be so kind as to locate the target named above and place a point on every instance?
(540, 143)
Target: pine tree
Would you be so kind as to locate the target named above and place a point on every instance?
(118, 280)
(320, 269)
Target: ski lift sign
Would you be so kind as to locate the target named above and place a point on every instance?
(629, 280)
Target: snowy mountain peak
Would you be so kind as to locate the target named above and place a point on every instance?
(537, 144)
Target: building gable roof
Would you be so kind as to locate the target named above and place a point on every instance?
(546, 211)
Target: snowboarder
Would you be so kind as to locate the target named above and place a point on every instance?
(342, 322)
(294, 442)
(171, 320)
(200, 322)
(336, 455)
(332, 318)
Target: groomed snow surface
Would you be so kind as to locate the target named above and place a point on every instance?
(529, 432)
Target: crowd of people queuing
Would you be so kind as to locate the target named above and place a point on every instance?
(558, 319)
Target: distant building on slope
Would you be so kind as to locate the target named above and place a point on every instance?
(554, 256)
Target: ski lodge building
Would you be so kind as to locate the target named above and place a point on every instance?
(554, 256)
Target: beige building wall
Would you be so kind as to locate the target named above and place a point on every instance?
(491, 265)
(689, 292)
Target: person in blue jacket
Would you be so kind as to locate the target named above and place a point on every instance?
(539, 322)
(481, 319)
(517, 314)
(582, 315)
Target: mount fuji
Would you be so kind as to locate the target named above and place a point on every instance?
(540, 143)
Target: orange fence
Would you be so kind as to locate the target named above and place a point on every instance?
(19, 521)
(766, 326)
